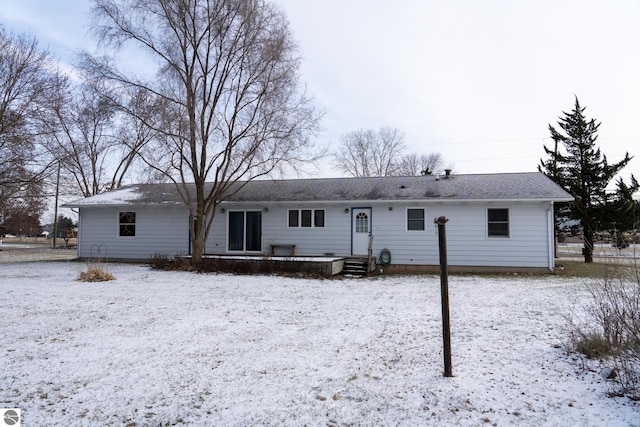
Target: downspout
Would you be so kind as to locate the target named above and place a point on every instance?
(189, 242)
(78, 240)
(55, 212)
(551, 227)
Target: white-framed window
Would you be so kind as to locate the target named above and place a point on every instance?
(498, 222)
(306, 218)
(415, 219)
(126, 224)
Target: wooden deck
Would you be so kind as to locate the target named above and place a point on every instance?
(323, 266)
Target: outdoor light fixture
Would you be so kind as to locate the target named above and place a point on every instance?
(266, 209)
(222, 210)
(346, 210)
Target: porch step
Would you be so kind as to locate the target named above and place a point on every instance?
(355, 266)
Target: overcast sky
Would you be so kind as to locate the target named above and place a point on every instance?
(477, 81)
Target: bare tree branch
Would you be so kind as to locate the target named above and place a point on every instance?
(413, 164)
(364, 153)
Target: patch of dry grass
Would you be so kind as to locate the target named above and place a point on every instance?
(598, 268)
(95, 273)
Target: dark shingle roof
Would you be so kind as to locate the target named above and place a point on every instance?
(506, 187)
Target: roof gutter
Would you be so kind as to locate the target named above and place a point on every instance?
(346, 201)
(426, 201)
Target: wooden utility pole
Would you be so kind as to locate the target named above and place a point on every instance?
(444, 294)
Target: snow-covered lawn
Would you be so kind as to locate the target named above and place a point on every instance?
(173, 348)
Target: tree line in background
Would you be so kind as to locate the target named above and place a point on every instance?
(54, 131)
(366, 153)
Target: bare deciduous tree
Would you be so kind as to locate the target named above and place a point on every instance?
(413, 164)
(227, 83)
(80, 138)
(93, 141)
(27, 74)
(365, 153)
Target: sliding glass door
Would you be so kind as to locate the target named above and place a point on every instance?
(245, 231)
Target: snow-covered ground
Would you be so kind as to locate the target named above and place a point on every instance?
(176, 348)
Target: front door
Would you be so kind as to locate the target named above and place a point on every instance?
(360, 230)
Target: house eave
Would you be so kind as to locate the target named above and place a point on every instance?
(118, 205)
(361, 202)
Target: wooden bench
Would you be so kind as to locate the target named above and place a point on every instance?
(274, 246)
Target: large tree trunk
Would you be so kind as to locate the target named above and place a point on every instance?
(588, 245)
(196, 256)
(199, 230)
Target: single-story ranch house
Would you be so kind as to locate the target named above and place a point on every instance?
(495, 221)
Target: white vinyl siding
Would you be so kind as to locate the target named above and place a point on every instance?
(467, 243)
(162, 230)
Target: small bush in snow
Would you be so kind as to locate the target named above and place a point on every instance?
(611, 329)
(160, 261)
(95, 273)
(592, 345)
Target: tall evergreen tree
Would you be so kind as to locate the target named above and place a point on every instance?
(625, 214)
(577, 165)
